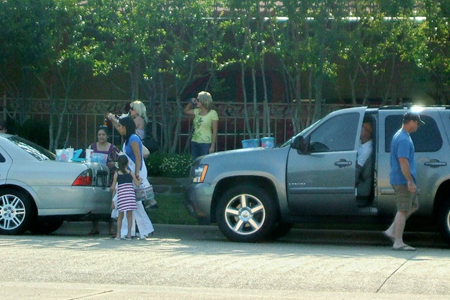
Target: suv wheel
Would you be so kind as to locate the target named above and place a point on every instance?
(444, 221)
(15, 212)
(245, 213)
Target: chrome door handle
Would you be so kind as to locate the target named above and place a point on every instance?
(342, 163)
(434, 163)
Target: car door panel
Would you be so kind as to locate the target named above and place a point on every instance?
(322, 182)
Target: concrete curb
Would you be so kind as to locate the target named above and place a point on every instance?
(313, 236)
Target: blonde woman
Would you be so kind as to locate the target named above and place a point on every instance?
(205, 124)
(138, 113)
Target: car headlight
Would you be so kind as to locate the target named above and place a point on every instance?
(200, 173)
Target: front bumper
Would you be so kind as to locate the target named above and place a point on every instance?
(198, 199)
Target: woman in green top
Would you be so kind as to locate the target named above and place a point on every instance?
(205, 124)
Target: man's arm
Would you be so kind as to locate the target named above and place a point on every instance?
(404, 165)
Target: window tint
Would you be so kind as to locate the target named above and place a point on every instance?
(426, 139)
(335, 134)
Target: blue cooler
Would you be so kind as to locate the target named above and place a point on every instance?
(252, 143)
(268, 142)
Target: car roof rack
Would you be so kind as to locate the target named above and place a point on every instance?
(409, 105)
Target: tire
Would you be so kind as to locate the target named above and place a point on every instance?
(280, 230)
(444, 221)
(246, 213)
(16, 212)
(45, 227)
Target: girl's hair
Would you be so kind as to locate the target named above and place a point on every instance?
(129, 125)
(104, 128)
(140, 109)
(123, 163)
(205, 99)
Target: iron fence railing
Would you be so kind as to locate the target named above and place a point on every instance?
(85, 116)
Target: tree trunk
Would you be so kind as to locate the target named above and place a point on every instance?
(318, 92)
(244, 92)
(266, 111)
(255, 105)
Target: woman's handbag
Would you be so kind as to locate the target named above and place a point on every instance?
(144, 193)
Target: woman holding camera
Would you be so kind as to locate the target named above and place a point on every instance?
(206, 121)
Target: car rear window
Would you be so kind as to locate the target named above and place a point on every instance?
(38, 152)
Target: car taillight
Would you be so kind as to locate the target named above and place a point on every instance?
(84, 179)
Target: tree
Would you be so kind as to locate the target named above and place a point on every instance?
(307, 44)
(44, 44)
(19, 54)
(116, 40)
(290, 38)
(431, 50)
(245, 24)
(365, 45)
(322, 44)
(165, 46)
(174, 57)
(60, 66)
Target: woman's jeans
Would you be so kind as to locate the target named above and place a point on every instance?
(199, 149)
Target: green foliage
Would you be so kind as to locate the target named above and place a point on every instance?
(176, 165)
(165, 165)
(153, 163)
(165, 46)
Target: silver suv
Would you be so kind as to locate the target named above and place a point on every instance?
(257, 194)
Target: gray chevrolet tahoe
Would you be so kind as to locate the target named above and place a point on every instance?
(258, 194)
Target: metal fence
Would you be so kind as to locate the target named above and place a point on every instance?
(85, 116)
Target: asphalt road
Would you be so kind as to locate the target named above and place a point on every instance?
(197, 262)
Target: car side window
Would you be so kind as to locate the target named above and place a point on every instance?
(426, 139)
(2, 158)
(335, 134)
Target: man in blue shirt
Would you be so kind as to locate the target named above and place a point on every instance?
(403, 179)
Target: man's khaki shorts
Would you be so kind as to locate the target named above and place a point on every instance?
(404, 199)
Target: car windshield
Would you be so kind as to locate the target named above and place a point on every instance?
(38, 152)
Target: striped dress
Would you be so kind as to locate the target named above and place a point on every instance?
(126, 198)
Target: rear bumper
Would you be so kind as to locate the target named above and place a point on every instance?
(77, 201)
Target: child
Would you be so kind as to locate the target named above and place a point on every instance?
(126, 198)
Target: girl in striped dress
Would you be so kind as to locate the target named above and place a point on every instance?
(126, 198)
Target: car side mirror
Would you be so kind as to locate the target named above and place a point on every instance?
(301, 144)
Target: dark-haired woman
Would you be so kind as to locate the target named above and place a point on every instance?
(103, 146)
(132, 147)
